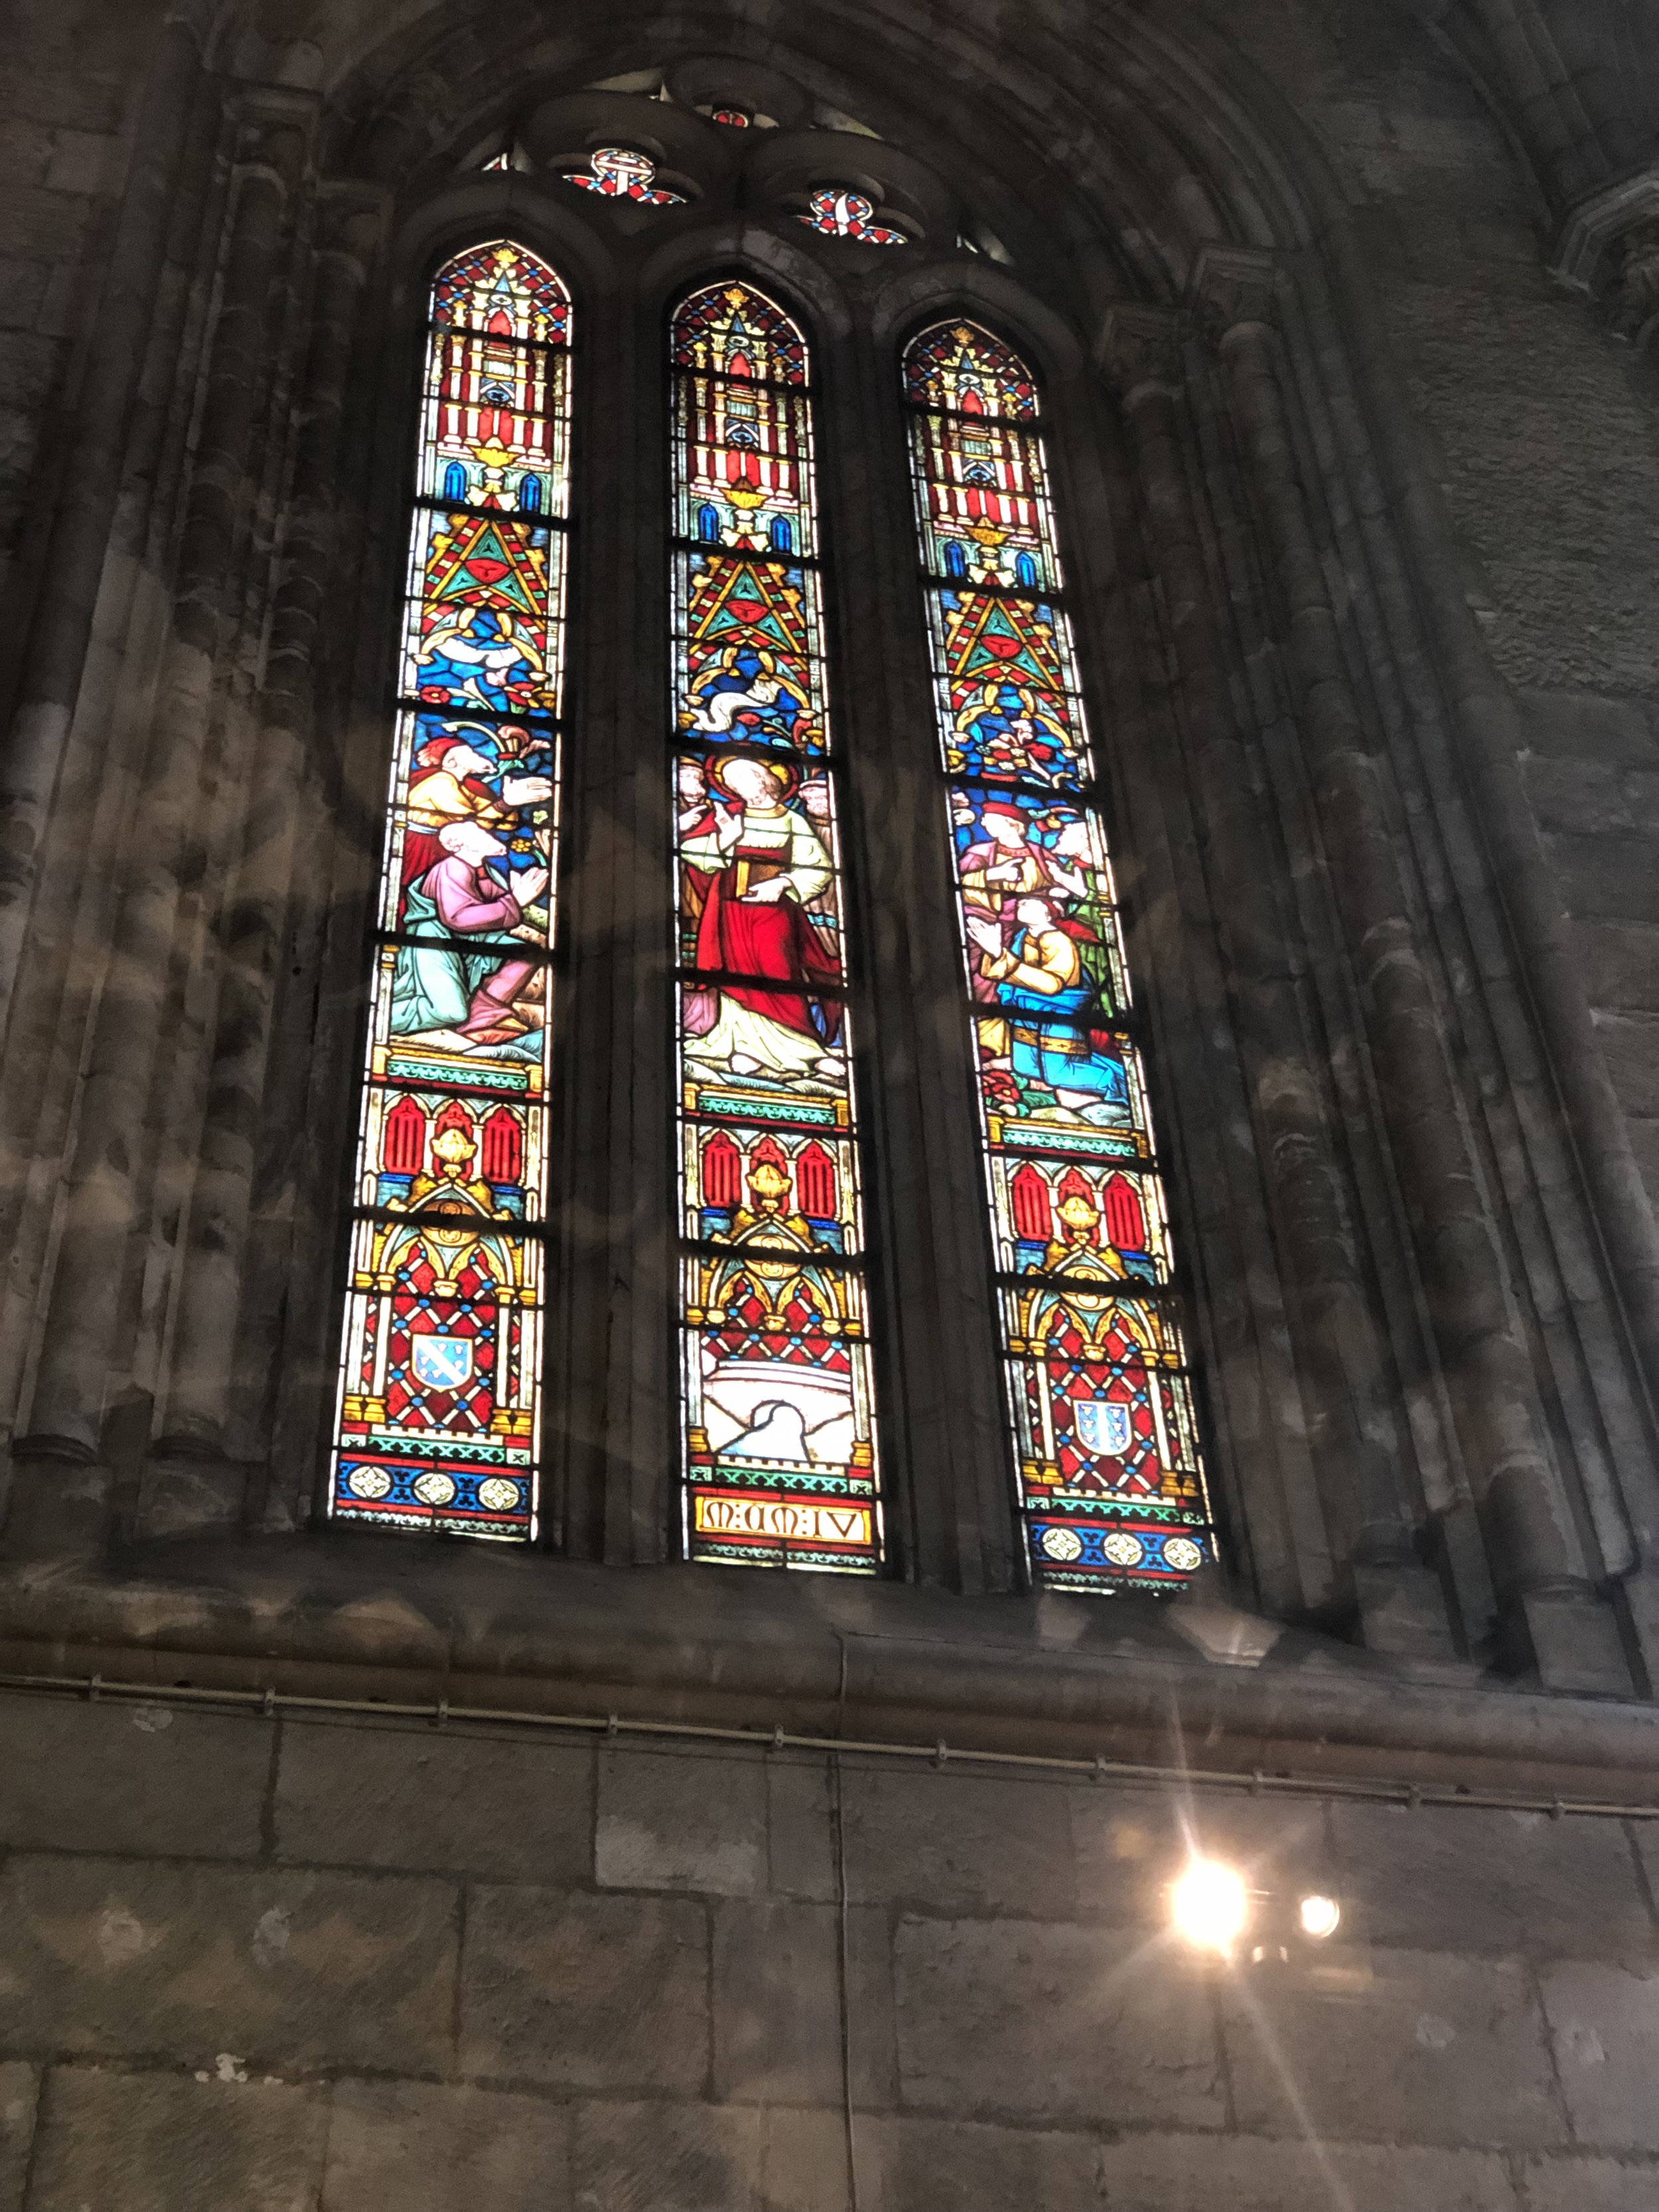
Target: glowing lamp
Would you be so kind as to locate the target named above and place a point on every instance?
(1209, 1906)
(1321, 1917)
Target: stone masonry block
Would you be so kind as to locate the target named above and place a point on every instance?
(800, 1829)
(1040, 2022)
(1629, 1045)
(1206, 2174)
(667, 2158)
(287, 1969)
(395, 1797)
(1443, 1879)
(84, 162)
(678, 1820)
(1606, 877)
(803, 2162)
(1582, 725)
(1418, 2047)
(20, 2090)
(1585, 795)
(1619, 963)
(418, 2147)
(1590, 2184)
(777, 2004)
(595, 1993)
(1604, 2024)
(949, 2166)
(957, 1843)
(165, 2143)
(22, 291)
(119, 1777)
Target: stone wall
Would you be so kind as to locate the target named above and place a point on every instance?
(358, 1964)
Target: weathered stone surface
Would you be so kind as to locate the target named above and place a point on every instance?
(1015, 2019)
(957, 1843)
(803, 2162)
(284, 1969)
(593, 1993)
(167, 2143)
(668, 1821)
(1204, 2173)
(943, 2166)
(1423, 2048)
(1629, 1045)
(800, 1832)
(1443, 1879)
(119, 1777)
(777, 2004)
(1589, 2184)
(1611, 878)
(394, 1798)
(670, 2158)
(422, 2147)
(1604, 2024)
(1619, 963)
(20, 2090)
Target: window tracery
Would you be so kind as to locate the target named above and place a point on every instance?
(1111, 1481)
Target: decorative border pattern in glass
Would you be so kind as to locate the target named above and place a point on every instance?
(779, 1426)
(1110, 1483)
(438, 1423)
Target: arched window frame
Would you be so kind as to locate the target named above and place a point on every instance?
(611, 1487)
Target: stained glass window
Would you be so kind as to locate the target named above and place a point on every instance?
(622, 175)
(843, 214)
(438, 1410)
(1111, 1483)
(779, 1437)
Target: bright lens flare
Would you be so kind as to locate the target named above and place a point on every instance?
(1321, 1917)
(1209, 1905)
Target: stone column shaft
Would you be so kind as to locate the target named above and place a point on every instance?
(204, 1336)
(1490, 1378)
(1351, 1388)
(72, 565)
(109, 1147)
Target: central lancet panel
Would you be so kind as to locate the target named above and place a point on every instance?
(778, 1427)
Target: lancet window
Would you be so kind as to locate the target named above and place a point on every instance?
(779, 1430)
(1110, 1484)
(439, 1421)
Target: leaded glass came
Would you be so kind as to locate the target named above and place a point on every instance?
(439, 1418)
(1111, 1483)
(778, 1427)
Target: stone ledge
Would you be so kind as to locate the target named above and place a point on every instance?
(334, 1615)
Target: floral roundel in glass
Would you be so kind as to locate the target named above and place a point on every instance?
(439, 1418)
(780, 1439)
(1110, 1482)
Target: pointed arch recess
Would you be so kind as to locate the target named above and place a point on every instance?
(779, 1424)
(439, 1412)
(1110, 1483)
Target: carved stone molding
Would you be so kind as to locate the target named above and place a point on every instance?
(1609, 247)
(1139, 350)
(1234, 285)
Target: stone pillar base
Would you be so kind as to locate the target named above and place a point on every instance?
(59, 1505)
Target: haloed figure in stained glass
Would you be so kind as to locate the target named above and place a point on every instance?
(755, 870)
(1108, 1470)
(779, 1446)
